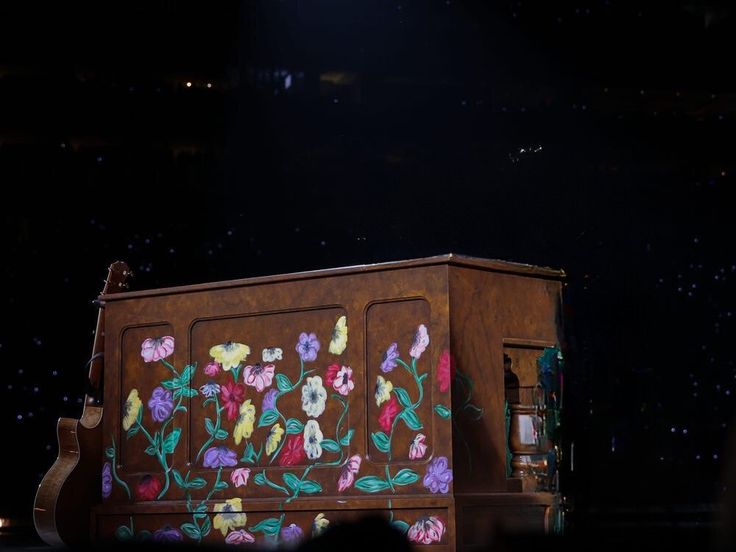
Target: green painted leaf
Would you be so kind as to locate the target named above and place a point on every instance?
(423, 377)
(172, 439)
(186, 375)
(371, 484)
(294, 426)
(123, 533)
(189, 392)
(236, 373)
(151, 450)
(411, 419)
(269, 526)
(191, 531)
(330, 446)
(221, 434)
(133, 430)
(380, 439)
(170, 384)
(178, 479)
(221, 486)
(442, 411)
(260, 478)
(345, 440)
(283, 383)
(474, 412)
(400, 525)
(249, 455)
(310, 487)
(143, 535)
(405, 477)
(268, 417)
(110, 452)
(199, 515)
(206, 526)
(403, 397)
(198, 483)
(201, 507)
(209, 426)
(291, 480)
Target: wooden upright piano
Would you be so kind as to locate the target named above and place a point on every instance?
(268, 409)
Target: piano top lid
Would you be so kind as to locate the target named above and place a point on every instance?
(453, 259)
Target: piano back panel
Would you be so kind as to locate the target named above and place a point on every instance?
(204, 431)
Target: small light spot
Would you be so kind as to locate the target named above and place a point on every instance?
(189, 84)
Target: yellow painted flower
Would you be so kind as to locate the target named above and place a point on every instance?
(339, 336)
(229, 354)
(131, 409)
(230, 516)
(274, 438)
(383, 390)
(244, 425)
(319, 525)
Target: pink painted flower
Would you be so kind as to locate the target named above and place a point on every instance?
(343, 382)
(427, 530)
(443, 370)
(233, 395)
(240, 477)
(418, 449)
(241, 536)
(332, 371)
(389, 411)
(212, 369)
(148, 488)
(259, 375)
(158, 348)
(420, 342)
(347, 476)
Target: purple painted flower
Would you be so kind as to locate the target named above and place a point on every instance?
(389, 358)
(307, 347)
(438, 476)
(220, 457)
(161, 404)
(209, 389)
(292, 534)
(168, 534)
(106, 480)
(269, 400)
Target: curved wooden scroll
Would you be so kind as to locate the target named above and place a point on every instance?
(61, 511)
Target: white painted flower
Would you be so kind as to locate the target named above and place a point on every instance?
(313, 439)
(270, 354)
(314, 397)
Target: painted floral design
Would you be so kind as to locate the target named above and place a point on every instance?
(332, 371)
(389, 358)
(420, 342)
(240, 476)
(269, 400)
(148, 487)
(443, 371)
(241, 536)
(343, 382)
(131, 409)
(230, 516)
(168, 534)
(271, 354)
(418, 449)
(293, 452)
(233, 395)
(307, 347)
(314, 397)
(229, 354)
(212, 369)
(161, 404)
(383, 390)
(158, 348)
(438, 476)
(348, 473)
(274, 438)
(313, 439)
(209, 389)
(291, 534)
(389, 411)
(320, 524)
(220, 457)
(259, 375)
(339, 337)
(427, 530)
(106, 479)
(244, 426)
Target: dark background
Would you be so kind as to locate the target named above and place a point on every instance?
(594, 136)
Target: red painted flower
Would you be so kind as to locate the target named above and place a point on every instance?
(148, 488)
(232, 395)
(293, 451)
(389, 411)
(443, 371)
(332, 371)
